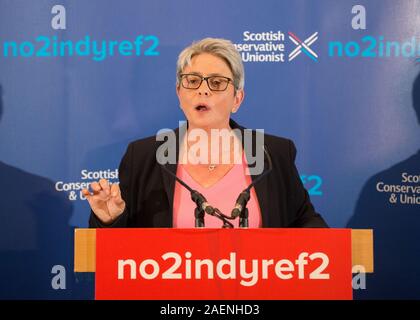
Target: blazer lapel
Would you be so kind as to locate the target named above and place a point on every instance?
(169, 186)
(168, 180)
(261, 187)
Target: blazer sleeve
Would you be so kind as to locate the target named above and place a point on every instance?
(305, 214)
(124, 175)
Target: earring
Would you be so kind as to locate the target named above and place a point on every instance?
(233, 110)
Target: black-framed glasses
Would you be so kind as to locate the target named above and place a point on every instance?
(194, 81)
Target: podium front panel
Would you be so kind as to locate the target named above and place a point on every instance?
(192, 264)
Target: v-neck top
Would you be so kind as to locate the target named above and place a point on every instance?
(222, 195)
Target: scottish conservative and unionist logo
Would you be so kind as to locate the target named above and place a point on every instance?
(274, 46)
(303, 46)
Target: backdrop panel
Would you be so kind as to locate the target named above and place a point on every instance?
(70, 104)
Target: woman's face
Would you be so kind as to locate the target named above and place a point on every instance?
(203, 107)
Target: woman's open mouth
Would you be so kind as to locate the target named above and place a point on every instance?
(202, 108)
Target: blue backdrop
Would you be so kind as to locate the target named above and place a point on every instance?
(350, 101)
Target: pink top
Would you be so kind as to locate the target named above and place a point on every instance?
(221, 195)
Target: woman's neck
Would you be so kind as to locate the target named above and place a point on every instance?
(212, 146)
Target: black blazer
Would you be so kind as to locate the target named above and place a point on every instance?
(148, 189)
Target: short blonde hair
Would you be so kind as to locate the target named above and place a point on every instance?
(221, 48)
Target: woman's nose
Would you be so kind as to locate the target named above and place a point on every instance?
(204, 89)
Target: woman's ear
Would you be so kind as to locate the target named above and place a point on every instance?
(239, 97)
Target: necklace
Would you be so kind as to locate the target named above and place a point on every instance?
(212, 167)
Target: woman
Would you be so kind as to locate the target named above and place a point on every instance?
(210, 81)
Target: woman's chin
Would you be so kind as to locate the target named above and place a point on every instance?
(206, 121)
(203, 122)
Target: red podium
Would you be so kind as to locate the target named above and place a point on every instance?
(222, 264)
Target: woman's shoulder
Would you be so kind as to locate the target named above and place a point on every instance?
(148, 142)
(142, 148)
(149, 146)
(270, 140)
(277, 145)
(280, 145)
(277, 141)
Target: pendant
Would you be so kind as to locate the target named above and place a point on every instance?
(212, 167)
